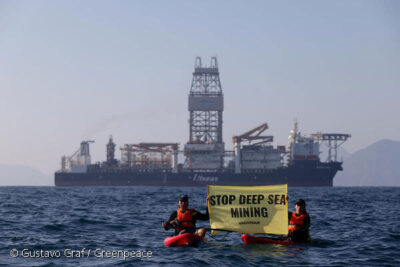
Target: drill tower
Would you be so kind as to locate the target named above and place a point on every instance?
(205, 149)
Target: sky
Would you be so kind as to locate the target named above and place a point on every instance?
(74, 70)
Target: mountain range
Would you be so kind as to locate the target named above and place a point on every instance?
(375, 165)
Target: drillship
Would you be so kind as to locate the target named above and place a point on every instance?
(253, 161)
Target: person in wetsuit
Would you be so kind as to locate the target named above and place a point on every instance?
(183, 220)
(299, 223)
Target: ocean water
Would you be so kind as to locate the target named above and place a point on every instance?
(49, 226)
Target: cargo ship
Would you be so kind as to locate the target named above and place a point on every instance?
(253, 160)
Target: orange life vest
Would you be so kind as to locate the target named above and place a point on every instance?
(185, 219)
(296, 222)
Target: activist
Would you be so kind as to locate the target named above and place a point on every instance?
(184, 219)
(299, 223)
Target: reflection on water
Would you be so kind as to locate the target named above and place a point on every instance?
(266, 250)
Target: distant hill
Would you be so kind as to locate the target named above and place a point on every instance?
(23, 175)
(375, 165)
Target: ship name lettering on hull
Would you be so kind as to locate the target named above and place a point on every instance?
(201, 178)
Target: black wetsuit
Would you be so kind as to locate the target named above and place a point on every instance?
(302, 234)
(195, 216)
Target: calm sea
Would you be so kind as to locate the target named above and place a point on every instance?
(49, 226)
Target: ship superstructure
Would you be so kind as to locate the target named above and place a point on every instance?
(253, 161)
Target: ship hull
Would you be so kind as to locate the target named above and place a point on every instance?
(321, 174)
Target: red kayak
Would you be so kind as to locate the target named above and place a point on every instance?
(249, 239)
(183, 240)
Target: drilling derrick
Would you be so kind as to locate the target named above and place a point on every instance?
(205, 149)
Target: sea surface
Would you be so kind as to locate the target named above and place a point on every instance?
(59, 226)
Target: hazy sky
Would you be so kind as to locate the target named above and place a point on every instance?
(72, 70)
